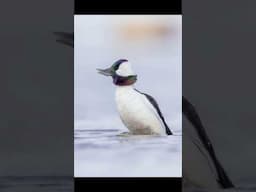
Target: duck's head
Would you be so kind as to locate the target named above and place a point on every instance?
(121, 72)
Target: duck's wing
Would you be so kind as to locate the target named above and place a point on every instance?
(203, 143)
(155, 105)
(65, 38)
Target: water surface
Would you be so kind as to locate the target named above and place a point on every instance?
(106, 152)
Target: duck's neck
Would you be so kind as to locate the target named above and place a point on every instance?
(125, 87)
(124, 81)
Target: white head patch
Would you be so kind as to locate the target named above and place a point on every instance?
(125, 69)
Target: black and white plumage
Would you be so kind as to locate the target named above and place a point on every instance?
(138, 111)
(154, 103)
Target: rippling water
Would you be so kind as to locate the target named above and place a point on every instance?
(106, 152)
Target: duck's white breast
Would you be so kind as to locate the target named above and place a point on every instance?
(136, 112)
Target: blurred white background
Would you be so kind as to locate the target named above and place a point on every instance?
(152, 44)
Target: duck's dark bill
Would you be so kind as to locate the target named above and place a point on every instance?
(106, 72)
